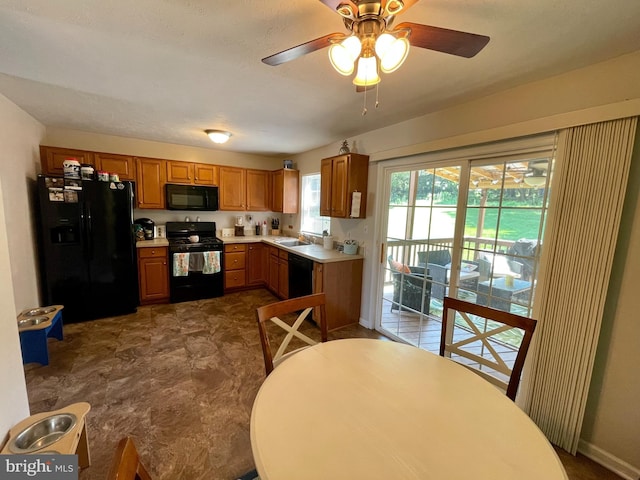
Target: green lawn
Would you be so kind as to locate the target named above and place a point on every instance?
(514, 224)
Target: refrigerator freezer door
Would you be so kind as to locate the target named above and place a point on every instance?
(63, 272)
(110, 248)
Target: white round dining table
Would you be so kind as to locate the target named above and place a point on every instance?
(373, 409)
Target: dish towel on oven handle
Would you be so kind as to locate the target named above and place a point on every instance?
(180, 264)
(211, 262)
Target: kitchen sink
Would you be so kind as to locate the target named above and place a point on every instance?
(292, 243)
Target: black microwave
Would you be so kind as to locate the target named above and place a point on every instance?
(191, 197)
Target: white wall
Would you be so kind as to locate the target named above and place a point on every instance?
(19, 137)
(59, 137)
(14, 405)
(612, 419)
(597, 93)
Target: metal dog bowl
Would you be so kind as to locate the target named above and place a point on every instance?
(43, 433)
(31, 322)
(39, 311)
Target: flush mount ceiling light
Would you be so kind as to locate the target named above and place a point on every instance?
(373, 46)
(218, 136)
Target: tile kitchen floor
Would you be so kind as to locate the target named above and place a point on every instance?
(181, 380)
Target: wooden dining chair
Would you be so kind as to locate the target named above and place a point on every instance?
(126, 463)
(475, 336)
(274, 311)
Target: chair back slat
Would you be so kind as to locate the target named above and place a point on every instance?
(489, 355)
(274, 311)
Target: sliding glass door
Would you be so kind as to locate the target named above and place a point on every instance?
(420, 228)
(469, 228)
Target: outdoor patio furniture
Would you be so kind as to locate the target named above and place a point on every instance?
(502, 294)
(440, 272)
(409, 288)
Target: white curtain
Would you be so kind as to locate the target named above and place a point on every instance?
(588, 194)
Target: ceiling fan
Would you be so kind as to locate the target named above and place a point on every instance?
(371, 42)
(536, 174)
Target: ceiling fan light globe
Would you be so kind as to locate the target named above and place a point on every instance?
(535, 181)
(393, 55)
(367, 74)
(343, 55)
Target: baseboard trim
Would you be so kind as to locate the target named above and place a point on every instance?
(365, 323)
(609, 461)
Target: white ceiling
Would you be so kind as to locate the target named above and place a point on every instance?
(165, 70)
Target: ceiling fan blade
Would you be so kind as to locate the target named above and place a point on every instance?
(444, 40)
(302, 49)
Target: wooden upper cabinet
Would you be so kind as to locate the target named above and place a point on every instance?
(232, 194)
(51, 159)
(340, 177)
(258, 190)
(151, 179)
(123, 165)
(206, 174)
(325, 187)
(179, 172)
(285, 190)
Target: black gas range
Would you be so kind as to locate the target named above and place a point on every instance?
(195, 261)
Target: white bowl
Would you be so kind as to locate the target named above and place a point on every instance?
(194, 238)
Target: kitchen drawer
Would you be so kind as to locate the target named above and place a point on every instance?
(283, 254)
(234, 261)
(235, 247)
(152, 252)
(234, 279)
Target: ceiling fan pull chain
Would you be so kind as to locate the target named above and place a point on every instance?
(364, 103)
(377, 102)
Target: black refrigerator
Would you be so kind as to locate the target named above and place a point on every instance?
(87, 248)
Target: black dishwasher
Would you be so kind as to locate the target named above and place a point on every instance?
(300, 276)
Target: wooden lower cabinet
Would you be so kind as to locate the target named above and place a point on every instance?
(257, 264)
(279, 272)
(342, 284)
(153, 275)
(235, 256)
(274, 271)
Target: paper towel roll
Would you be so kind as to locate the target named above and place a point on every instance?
(355, 203)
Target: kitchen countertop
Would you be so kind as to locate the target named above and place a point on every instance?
(156, 242)
(314, 252)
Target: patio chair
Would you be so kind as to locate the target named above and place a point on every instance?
(126, 463)
(474, 336)
(410, 291)
(438, 264)
(274, 311)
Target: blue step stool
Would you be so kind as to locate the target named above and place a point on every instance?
(33, 338)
